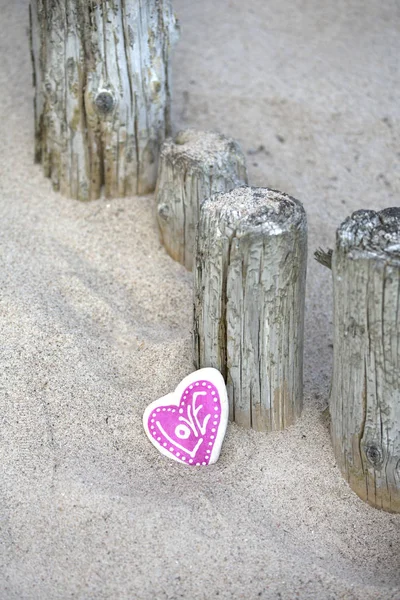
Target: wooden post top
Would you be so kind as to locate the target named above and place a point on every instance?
(201, 150)
(373, 235)
(257, 210)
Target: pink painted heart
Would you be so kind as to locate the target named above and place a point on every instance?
(189, 424)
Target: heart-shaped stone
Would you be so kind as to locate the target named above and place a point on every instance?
(189, 424)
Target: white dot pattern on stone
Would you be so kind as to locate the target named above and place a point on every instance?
(211, 405)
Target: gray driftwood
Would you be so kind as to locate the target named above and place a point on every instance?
(249, 302)
(194, 165)
(365, 393)
(102, 92)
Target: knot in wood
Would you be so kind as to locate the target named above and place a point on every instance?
(374, 455)
(156, 85)
(163, 211)
(104, 102)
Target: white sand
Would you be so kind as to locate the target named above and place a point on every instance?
(95, 323)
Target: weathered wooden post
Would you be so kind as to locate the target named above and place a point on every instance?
(102, 92)
(249, 285)
(365, 392)
(193, 166)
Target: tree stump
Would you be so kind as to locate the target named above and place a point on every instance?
(193, 166)
(250, 277)
(365, 393)
(102, 92)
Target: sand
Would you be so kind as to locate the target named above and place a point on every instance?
(95, 323)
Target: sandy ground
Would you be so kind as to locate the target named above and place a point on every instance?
(95, 323)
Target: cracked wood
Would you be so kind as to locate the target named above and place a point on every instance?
(249, 302)
(102, 92)
(365, 392)
(193, 166)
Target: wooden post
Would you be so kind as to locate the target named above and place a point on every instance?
(193, 166)
(102, 92)
(249, 302)
(365, 393)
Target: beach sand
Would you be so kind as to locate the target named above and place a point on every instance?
(95, 323)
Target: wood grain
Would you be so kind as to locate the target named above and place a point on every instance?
(249, 302)
(193, 165)
(102, 92)
(365, 393)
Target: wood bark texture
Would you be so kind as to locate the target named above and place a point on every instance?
(102, 92)
(194, 165)
(249, 289)
(365, 392)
